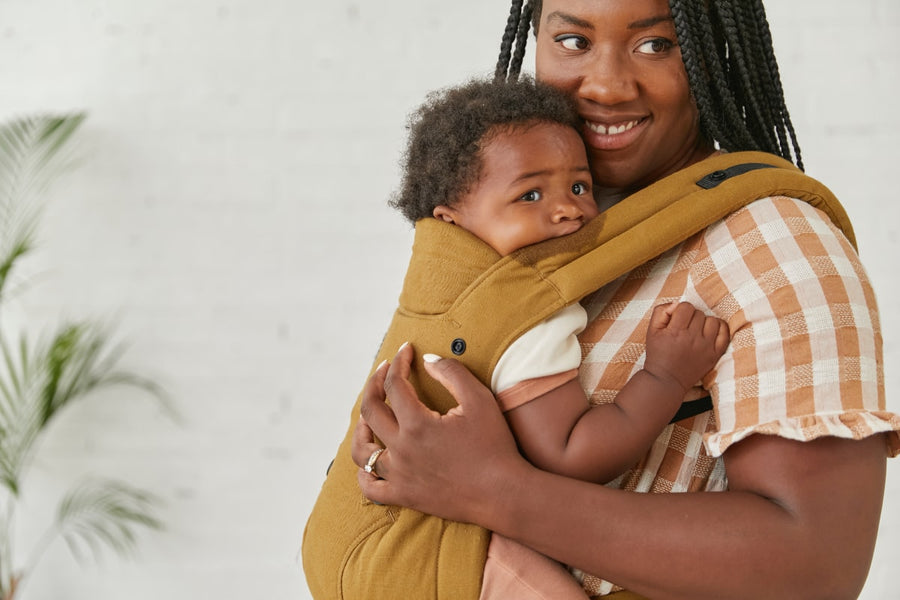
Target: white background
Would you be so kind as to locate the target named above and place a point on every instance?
(230, 214)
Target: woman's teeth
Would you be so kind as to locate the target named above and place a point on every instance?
(612, 129)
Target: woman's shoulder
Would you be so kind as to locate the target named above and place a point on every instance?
(773, 245)
(775, 220)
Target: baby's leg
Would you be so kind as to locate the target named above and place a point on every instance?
(516, 572)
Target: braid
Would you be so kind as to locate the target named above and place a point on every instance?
(761, 79)
(506, 44)
(727, 51)
(732, 129)
(515, 66)
(518, 24)
(700, 65)
(774, 75)
(740, 79)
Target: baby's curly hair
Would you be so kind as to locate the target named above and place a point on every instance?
(443, 156)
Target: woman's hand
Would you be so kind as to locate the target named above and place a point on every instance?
(448, 465)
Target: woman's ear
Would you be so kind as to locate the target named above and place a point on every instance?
(445, 213)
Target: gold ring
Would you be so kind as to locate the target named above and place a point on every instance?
(370, 464)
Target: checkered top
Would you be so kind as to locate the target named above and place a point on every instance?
(805, 360)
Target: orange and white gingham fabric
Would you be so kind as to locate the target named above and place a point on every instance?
(805, 360)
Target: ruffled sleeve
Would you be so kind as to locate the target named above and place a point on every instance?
(805, 359)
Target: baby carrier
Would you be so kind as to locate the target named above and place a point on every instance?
(460, 299)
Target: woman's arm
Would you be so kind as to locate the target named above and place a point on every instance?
(560, 432)
(799, 519)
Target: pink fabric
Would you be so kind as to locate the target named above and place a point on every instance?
(526, 391)
(516, 572)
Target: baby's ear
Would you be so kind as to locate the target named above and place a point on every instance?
(445, 213)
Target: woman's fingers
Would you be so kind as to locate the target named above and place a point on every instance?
(404, 399)
(364, 447)
(377, 490)
(363, 442)
(380, 423)
(373, 409)
(470, 394)
(378, 416)
(434, 463)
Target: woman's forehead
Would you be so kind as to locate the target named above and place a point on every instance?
(594, 13)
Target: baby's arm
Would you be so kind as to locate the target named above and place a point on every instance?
(560, 432)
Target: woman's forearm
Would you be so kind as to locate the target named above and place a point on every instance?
(799, 520)
(805, 530)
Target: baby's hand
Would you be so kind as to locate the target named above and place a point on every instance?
(683, 343)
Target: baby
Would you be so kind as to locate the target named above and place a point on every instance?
(505, 162)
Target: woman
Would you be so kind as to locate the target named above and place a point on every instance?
(796, 443)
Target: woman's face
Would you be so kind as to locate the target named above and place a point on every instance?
(621, 62)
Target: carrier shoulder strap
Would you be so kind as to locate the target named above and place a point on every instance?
(503, 297)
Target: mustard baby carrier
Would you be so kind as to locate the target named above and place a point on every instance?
(461, 300)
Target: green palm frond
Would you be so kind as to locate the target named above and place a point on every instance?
(105, 513)
(19, 412)
(37, 382)
(33, 151)
(39, 377)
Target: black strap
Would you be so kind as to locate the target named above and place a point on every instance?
(692, 408)
(717, 177)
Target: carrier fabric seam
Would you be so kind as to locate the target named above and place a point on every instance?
(437, 563)
(357, 541)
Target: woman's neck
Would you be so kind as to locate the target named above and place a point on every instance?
(607, 197)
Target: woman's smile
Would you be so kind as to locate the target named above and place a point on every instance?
(613, 135)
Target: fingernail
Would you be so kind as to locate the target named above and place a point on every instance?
(381, 364)
(431, 358)
(402, 346)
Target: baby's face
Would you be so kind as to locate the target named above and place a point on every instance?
(535, 185)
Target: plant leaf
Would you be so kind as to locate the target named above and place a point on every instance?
(105, 513)
(33, 152)
(42, 379)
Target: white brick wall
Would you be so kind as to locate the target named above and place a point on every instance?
(236, 153)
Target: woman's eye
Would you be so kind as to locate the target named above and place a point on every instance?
(531, 196)
(656, 46)
(572, 42)
(579, 189)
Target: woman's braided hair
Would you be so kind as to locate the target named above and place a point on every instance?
(727, 51)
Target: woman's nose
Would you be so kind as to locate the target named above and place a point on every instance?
(609, 80)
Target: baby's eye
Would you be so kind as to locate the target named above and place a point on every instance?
(530, 196)
(579, 189)
(656, 46)
(572, 42)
